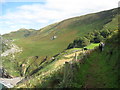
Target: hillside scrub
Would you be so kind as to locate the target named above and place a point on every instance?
(100, 69)
(91, 37)
(96, 70)
(87, 30)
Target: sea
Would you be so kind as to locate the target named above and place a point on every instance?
(2, 86)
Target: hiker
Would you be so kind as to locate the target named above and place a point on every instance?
(101, 45)
(85, 48)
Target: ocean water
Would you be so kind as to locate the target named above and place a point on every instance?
(2, 86)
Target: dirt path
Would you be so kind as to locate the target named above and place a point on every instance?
(93, 78)
(90, 79)
(61, 62)
(73, 54)
(70, 56)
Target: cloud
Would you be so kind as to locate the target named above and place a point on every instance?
(3, 1)
(37, 15)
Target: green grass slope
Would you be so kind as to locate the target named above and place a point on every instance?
(21, 33)
(42, 43)
(97, 70)
(101, 68)
(66, 31)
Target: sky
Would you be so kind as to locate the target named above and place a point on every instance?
(36, 14)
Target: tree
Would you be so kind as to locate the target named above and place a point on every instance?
(98, 38)
(70, 46)
(105, 33)
(79, 43)
(96, 32)
(85, 42)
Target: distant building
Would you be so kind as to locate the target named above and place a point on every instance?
(54, 37)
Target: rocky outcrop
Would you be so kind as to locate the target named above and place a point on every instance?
(14, 49)
(7, 47)
(8, 52)
(4, 74)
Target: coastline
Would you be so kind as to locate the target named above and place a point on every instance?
(3, 84)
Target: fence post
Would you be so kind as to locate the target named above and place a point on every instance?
(75, 56)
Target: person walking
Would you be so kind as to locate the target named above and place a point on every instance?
(101, 46)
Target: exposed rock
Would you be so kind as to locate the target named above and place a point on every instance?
(13, 50)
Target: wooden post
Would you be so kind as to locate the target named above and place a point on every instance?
(75, 56)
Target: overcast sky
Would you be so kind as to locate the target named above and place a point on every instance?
(36, 14)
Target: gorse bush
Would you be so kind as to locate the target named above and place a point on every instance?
(92, 37)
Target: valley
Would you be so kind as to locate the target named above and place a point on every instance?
(64, 54)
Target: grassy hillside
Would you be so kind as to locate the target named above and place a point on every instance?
(66, 31)
(100, 69)
(21, 33)
(96, 70)
(43, 44)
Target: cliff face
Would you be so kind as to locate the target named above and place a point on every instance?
(12, 50)
(8, 51)
(4, 74)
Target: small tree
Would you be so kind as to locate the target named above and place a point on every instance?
(70, 46)
(98, 39)
(96, 32)
(105, 33)
(85, 42)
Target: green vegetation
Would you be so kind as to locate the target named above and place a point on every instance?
(42, 54)
(98, 70)
(92, 45)
(11, 66)
(91, 37)
(21, 33)
(66, 31)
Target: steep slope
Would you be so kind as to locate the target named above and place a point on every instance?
(99, 69)
(102, 67)
(43, 44)
(92, 69)
(65, 32)
(8, 51)
(4, 44)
